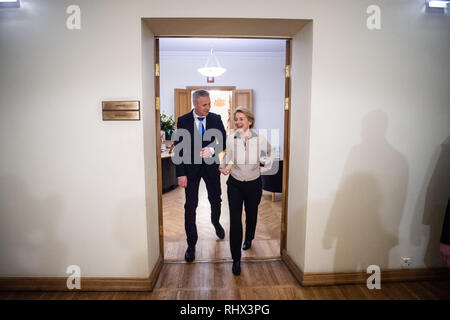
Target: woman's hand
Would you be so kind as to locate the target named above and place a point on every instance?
(224, 171)
(263, 169)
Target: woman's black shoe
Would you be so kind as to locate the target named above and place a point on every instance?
(247, 244)
(236, 267)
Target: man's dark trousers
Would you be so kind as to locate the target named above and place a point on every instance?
(212, 181)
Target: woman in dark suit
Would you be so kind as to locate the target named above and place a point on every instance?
(244, 149)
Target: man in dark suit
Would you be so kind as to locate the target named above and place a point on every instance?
(202, 138)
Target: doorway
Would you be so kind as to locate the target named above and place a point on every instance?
(265, 94)
(300, 32)
(221, 102)
(224, 100)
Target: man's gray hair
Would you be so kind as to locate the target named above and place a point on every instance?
(199, 93)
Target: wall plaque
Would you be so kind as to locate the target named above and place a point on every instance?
(121, 110)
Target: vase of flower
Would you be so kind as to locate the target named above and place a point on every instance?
(167, 125)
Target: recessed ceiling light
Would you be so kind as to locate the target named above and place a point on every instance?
(9, 3)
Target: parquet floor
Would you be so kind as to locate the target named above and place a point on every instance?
(269, 280)
(209, 248)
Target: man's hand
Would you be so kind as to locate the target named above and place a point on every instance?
(182, 181)
(206, 152)
(224, 171)
(445, 253)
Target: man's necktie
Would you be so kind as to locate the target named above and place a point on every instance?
(201, 128)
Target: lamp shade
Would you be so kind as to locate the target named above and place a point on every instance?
(438, 3)
(9, 3)
(212, 66)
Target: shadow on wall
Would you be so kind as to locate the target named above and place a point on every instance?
(368, 207)
(429, 214)
(28, 242)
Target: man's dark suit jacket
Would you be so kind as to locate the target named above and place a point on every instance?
(213, 121)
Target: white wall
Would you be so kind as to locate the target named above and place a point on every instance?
(261, 71)
(380, 110)
(72, 187)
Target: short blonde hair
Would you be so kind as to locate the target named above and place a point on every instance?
(247, 113)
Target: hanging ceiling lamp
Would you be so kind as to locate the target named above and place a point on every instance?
(9, 3)
(438, 3)
(212, 67)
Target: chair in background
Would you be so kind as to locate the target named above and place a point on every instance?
(272, 180)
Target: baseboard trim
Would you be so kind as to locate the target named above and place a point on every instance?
(338, 278)
(292, 266)
(395, 275)
(87, 284)
(224, 260)
(156, 271)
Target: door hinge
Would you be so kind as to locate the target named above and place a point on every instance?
(288, 71)
(157, 106)
(157, 70)
(286, 104)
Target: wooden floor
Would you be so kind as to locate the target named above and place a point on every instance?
(269, 280)
(266, 244)
(264, 276)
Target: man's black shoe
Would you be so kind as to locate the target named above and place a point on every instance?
(189, 256)
(247, 244)
(236, 267)
(220, 232)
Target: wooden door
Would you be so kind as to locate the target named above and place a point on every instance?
(241, 98)
(182, 102)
